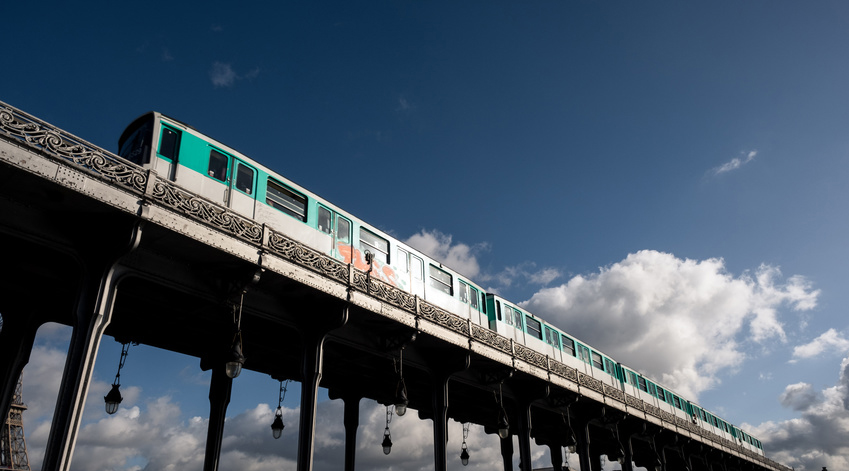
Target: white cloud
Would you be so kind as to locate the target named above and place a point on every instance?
(460, 257)
(820, 436)
(526, 272)
(830, 340)
(223, 75)
(679, 321)
(736, 162)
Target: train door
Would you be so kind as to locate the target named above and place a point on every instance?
(242, 188)
(411, 270)
(416, 276)
(167, 152)
(338, 228)
(216, 187)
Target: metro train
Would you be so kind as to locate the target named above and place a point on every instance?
(201, 164)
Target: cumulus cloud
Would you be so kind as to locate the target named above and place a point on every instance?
(460, 257)
(223, 75)
(820, 436)
(830, 340)
(680, 321)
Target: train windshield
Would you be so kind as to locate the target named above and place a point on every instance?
(134, 144)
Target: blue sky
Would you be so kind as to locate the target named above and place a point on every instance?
(666, 180)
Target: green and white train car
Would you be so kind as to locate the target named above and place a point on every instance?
(226, 177)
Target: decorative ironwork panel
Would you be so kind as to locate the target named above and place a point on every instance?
(210, 213)
(302, 255)
(384, 291)
(650, 409)
(667, 416)
(615, 393)
(491, 338)
(590, 382)
(562, 370)
(444, 318)
(634, 402)
(533, 357)
(44, 138)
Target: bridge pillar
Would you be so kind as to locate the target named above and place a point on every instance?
(93, 313)
(556, 453)
(352, 422)
(442, 372)
(507, 452)
(529, 395)
(582, 436)
(314, 336)
(220, 388)
(628, 460)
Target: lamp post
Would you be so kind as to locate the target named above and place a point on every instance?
(277, 424)
(235, 358)
(401, 399)
(387, 438)
(503, 423)
(464, 449)
(113, 398)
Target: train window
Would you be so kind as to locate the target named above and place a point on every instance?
(417, 267)
(633, 377)
(584, 353)
(661, 394)
(534, 327)
(281, 197)
(474, 298)
(218, 165)
(552, 337)
(135, 147)
(597, 363)
(403, 261)
(608, 366)
(569, 346)
(169, 143)
(676, 401)
(469, 295)
(371, 242)
(440, 279)
(642, 384)
(244, 178)
(515, 317)
(324, 220)
(498, 310)
(652, 389)
(464, 292)
(343, 230)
